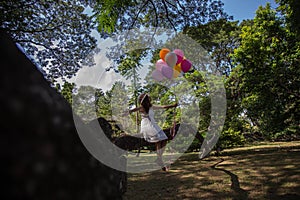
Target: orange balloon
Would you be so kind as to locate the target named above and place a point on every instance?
(178, 67)
(163, 52)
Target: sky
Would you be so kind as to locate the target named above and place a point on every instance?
(244, 9)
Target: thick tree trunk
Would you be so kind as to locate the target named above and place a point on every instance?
(41, 152)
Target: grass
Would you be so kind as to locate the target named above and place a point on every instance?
(265, 171)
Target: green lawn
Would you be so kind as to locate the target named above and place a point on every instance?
(267, 171)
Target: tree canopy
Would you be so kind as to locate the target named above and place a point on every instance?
(115, 15)
(56, 35)
(269, 72)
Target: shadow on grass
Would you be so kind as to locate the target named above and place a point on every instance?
(235, 184)
(258, 173)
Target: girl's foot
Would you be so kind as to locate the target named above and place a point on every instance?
(165, 168)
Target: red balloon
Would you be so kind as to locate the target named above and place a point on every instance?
(179, 54)
(186, 65)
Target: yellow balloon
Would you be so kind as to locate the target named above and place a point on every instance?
(178, 67)
(175, 73)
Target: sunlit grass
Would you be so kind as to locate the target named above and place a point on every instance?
(264, 171)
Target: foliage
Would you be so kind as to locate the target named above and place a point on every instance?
(231, 138)
(219, 38)
(103, 104)
(129, 66)
(118, 15)
(84, 103)
(269, 72)
(290, 9)
(67, 91)
(54, 34)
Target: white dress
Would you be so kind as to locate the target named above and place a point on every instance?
(149, 128)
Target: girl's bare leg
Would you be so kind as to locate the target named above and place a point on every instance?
(159, 160)
(162, 149)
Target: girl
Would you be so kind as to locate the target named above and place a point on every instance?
(149, 128)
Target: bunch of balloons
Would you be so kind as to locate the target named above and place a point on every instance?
(171, 64)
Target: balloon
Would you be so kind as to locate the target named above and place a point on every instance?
(179, 54)
(167, 71)
(163, 52)
(179, 59)
(176, 73)
(178, 67)
(186, 65)
(159, 64)
(157, 75)
(171, 59)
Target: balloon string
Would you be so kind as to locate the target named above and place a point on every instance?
(173, 129)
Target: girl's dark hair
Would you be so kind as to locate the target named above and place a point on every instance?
(145, 101)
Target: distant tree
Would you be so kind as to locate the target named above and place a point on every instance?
(84, 103)
(56, 35)
(219, 38)
(269, 72)
(67, 91)
(103, 104)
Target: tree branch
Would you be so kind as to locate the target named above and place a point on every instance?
(155, 12)
(30, 41)
(138, 13)
(176, 8)
(167, 15)
(39, 30)
(156, 19)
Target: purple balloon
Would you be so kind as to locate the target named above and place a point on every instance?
(186, 65)
(157, 75)
(167, 71)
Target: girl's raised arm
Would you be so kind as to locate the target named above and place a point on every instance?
(164, 106)
(134, 110)
(131, 111)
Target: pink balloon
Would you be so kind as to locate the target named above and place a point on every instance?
(167, 71)
(157, 75)
(186, 65)
(171, 59)
(179, 54)
(159, 64)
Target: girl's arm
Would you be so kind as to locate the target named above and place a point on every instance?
(131, 111)
(134, 110)
(165, 106)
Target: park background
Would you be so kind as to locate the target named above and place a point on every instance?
(257, 56)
